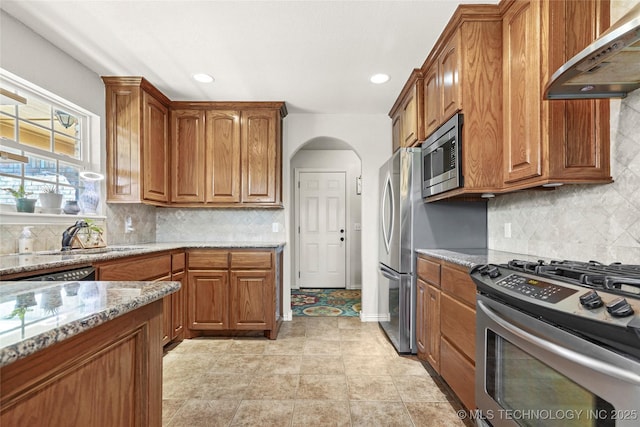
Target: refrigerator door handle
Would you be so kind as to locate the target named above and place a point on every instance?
(389, 274)
(388, 193)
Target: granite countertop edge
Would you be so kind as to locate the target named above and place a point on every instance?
(471, 257)
(152, 291)
(51, 259)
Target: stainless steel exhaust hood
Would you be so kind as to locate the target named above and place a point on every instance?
(607, 68)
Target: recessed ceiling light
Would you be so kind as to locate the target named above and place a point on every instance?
(202, 78)
(379, 78)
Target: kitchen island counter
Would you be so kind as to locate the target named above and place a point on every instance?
(469, 258)
(13, 264)
(82, 353)
(37, 315)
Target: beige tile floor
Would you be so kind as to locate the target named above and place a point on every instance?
(327, 371)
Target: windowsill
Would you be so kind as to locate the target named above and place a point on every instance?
(22, 218)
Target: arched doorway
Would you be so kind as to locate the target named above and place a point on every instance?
(335, 214)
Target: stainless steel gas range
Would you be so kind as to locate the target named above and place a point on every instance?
(558, 344)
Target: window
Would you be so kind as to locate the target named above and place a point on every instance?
(52, 133)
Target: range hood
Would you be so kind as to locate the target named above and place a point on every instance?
(607, 68)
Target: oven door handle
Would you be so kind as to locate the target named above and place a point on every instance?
(563, 352)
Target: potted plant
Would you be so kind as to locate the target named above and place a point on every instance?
(50, 199)
(23, 204)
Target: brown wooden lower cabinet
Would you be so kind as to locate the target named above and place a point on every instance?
(446, 326)
(110, 375)
(459, 372)
(234, 290)
(163, 266)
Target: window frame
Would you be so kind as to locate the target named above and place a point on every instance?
(90, 150)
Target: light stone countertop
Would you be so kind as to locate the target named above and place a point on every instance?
(37, 315)
(24, 263)
(471, 257)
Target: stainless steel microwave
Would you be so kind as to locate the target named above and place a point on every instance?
(441, 154)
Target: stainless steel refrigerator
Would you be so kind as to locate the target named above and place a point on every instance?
(407, 223)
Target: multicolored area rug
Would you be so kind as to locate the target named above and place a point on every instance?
(326, 302)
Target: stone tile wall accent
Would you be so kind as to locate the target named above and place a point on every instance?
(582, 222)
(143, 219)
(202, 225)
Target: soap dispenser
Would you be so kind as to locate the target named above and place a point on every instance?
(25, 241)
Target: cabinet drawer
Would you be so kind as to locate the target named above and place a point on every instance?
(177, 262)
(458, 324)
(458, 283)
(208, 259)
(459, 373)
(428, 271)
(241, 260)
(136, 269)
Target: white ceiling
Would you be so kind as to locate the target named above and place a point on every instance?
(315, 55)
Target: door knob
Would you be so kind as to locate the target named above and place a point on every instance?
(342, 230)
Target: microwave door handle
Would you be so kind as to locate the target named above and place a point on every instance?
(563, 352)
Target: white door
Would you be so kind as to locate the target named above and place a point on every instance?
(322, 232)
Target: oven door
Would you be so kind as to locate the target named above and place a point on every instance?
(531, 373)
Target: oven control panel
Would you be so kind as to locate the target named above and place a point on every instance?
(535, 288)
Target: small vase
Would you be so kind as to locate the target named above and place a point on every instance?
(26, 205)
(71, 207)
(89, 198)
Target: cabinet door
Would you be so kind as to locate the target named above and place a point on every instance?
(123, 144)
(578, 129)
(409, 119)
(449, 69)
(261, 156)
(166, 313)
(155, 149)
(521, 67)
(396, 132)
(166, 320)
(252, 299)
(421, 319)
(187, 156)
(177, 306)
(208, 299)
(222, 169)
(433, 327)
(432, 100)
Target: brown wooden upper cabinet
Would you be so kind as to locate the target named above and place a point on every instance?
(463, 73)
(191, 154)
(406, 114)
(137, 128)
(227, 157)
(441, 85)
(551, 142)
(491, 63)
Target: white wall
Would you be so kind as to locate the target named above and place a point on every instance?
(370, 137)
(348, 161)
(28, 55)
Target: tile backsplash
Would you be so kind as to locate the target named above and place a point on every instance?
(141, 226)
(209, 225)
(582, 222)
